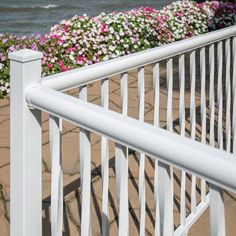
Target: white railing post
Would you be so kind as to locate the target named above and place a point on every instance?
(26, 199)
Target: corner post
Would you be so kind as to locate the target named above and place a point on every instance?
(25, 141)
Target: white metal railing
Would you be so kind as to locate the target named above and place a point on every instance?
(30, 95)
(102, 121)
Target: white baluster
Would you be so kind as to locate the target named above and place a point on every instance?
(121, 154)
(193, 122)
(124, 93)
(217, 218)
(121, 165)
(156, 99)
(234, 93)
(142, 193)
(203, 110)
(55, 125)
(217, 213)
(85, 173)
(105, 163)
(182, 132)
(219, 94)
(212, 93)
(165, 172)
(169, 76)
(228, 95)
(165, 193)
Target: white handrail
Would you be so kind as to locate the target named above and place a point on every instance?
(77, 77)
(219, 167)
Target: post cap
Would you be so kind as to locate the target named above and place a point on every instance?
(25, 55)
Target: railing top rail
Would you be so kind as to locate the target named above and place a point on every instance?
(82, 76)
(219, 167)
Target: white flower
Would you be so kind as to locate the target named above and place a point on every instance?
(1, 66)
(105, 58)
(111, 30)
(104, 50)
(111, 48)
(121, 33)
(71, 57)
(117, 52)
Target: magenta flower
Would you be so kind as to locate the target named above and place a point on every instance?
(71, 49)
(104, 28)
(149, 9)
(62, 66)
(55, 36)
(169, 36)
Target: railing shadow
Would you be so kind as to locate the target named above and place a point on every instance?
(96, 172)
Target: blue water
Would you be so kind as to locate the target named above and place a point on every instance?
(37, 16)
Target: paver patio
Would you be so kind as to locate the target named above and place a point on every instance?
(71, 163)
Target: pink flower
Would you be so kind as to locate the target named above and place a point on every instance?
(66, 28)
(50, 66)
(104, 28)
(62, 66)
(200, 4)
(3, 58)
(169, 36)
(149, 9)
(71, 49)
(180, 14)
(81, 59)
(56, 36)
(34, 47)
(61, 41)
(43, 60)
(12, 49)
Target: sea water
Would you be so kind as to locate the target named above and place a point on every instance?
(25, 17)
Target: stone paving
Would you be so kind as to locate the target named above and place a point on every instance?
(70, 164)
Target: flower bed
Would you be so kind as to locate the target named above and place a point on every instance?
(84, 40)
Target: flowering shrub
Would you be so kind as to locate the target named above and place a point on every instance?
(224, 15)
(186, 19)
(10, 43)
(87, 40)
(84, 40)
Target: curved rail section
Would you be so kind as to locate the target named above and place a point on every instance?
(131, 132)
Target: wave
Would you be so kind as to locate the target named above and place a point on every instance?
(49, 6)
(16, 8)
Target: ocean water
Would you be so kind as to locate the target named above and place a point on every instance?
(25, 17)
